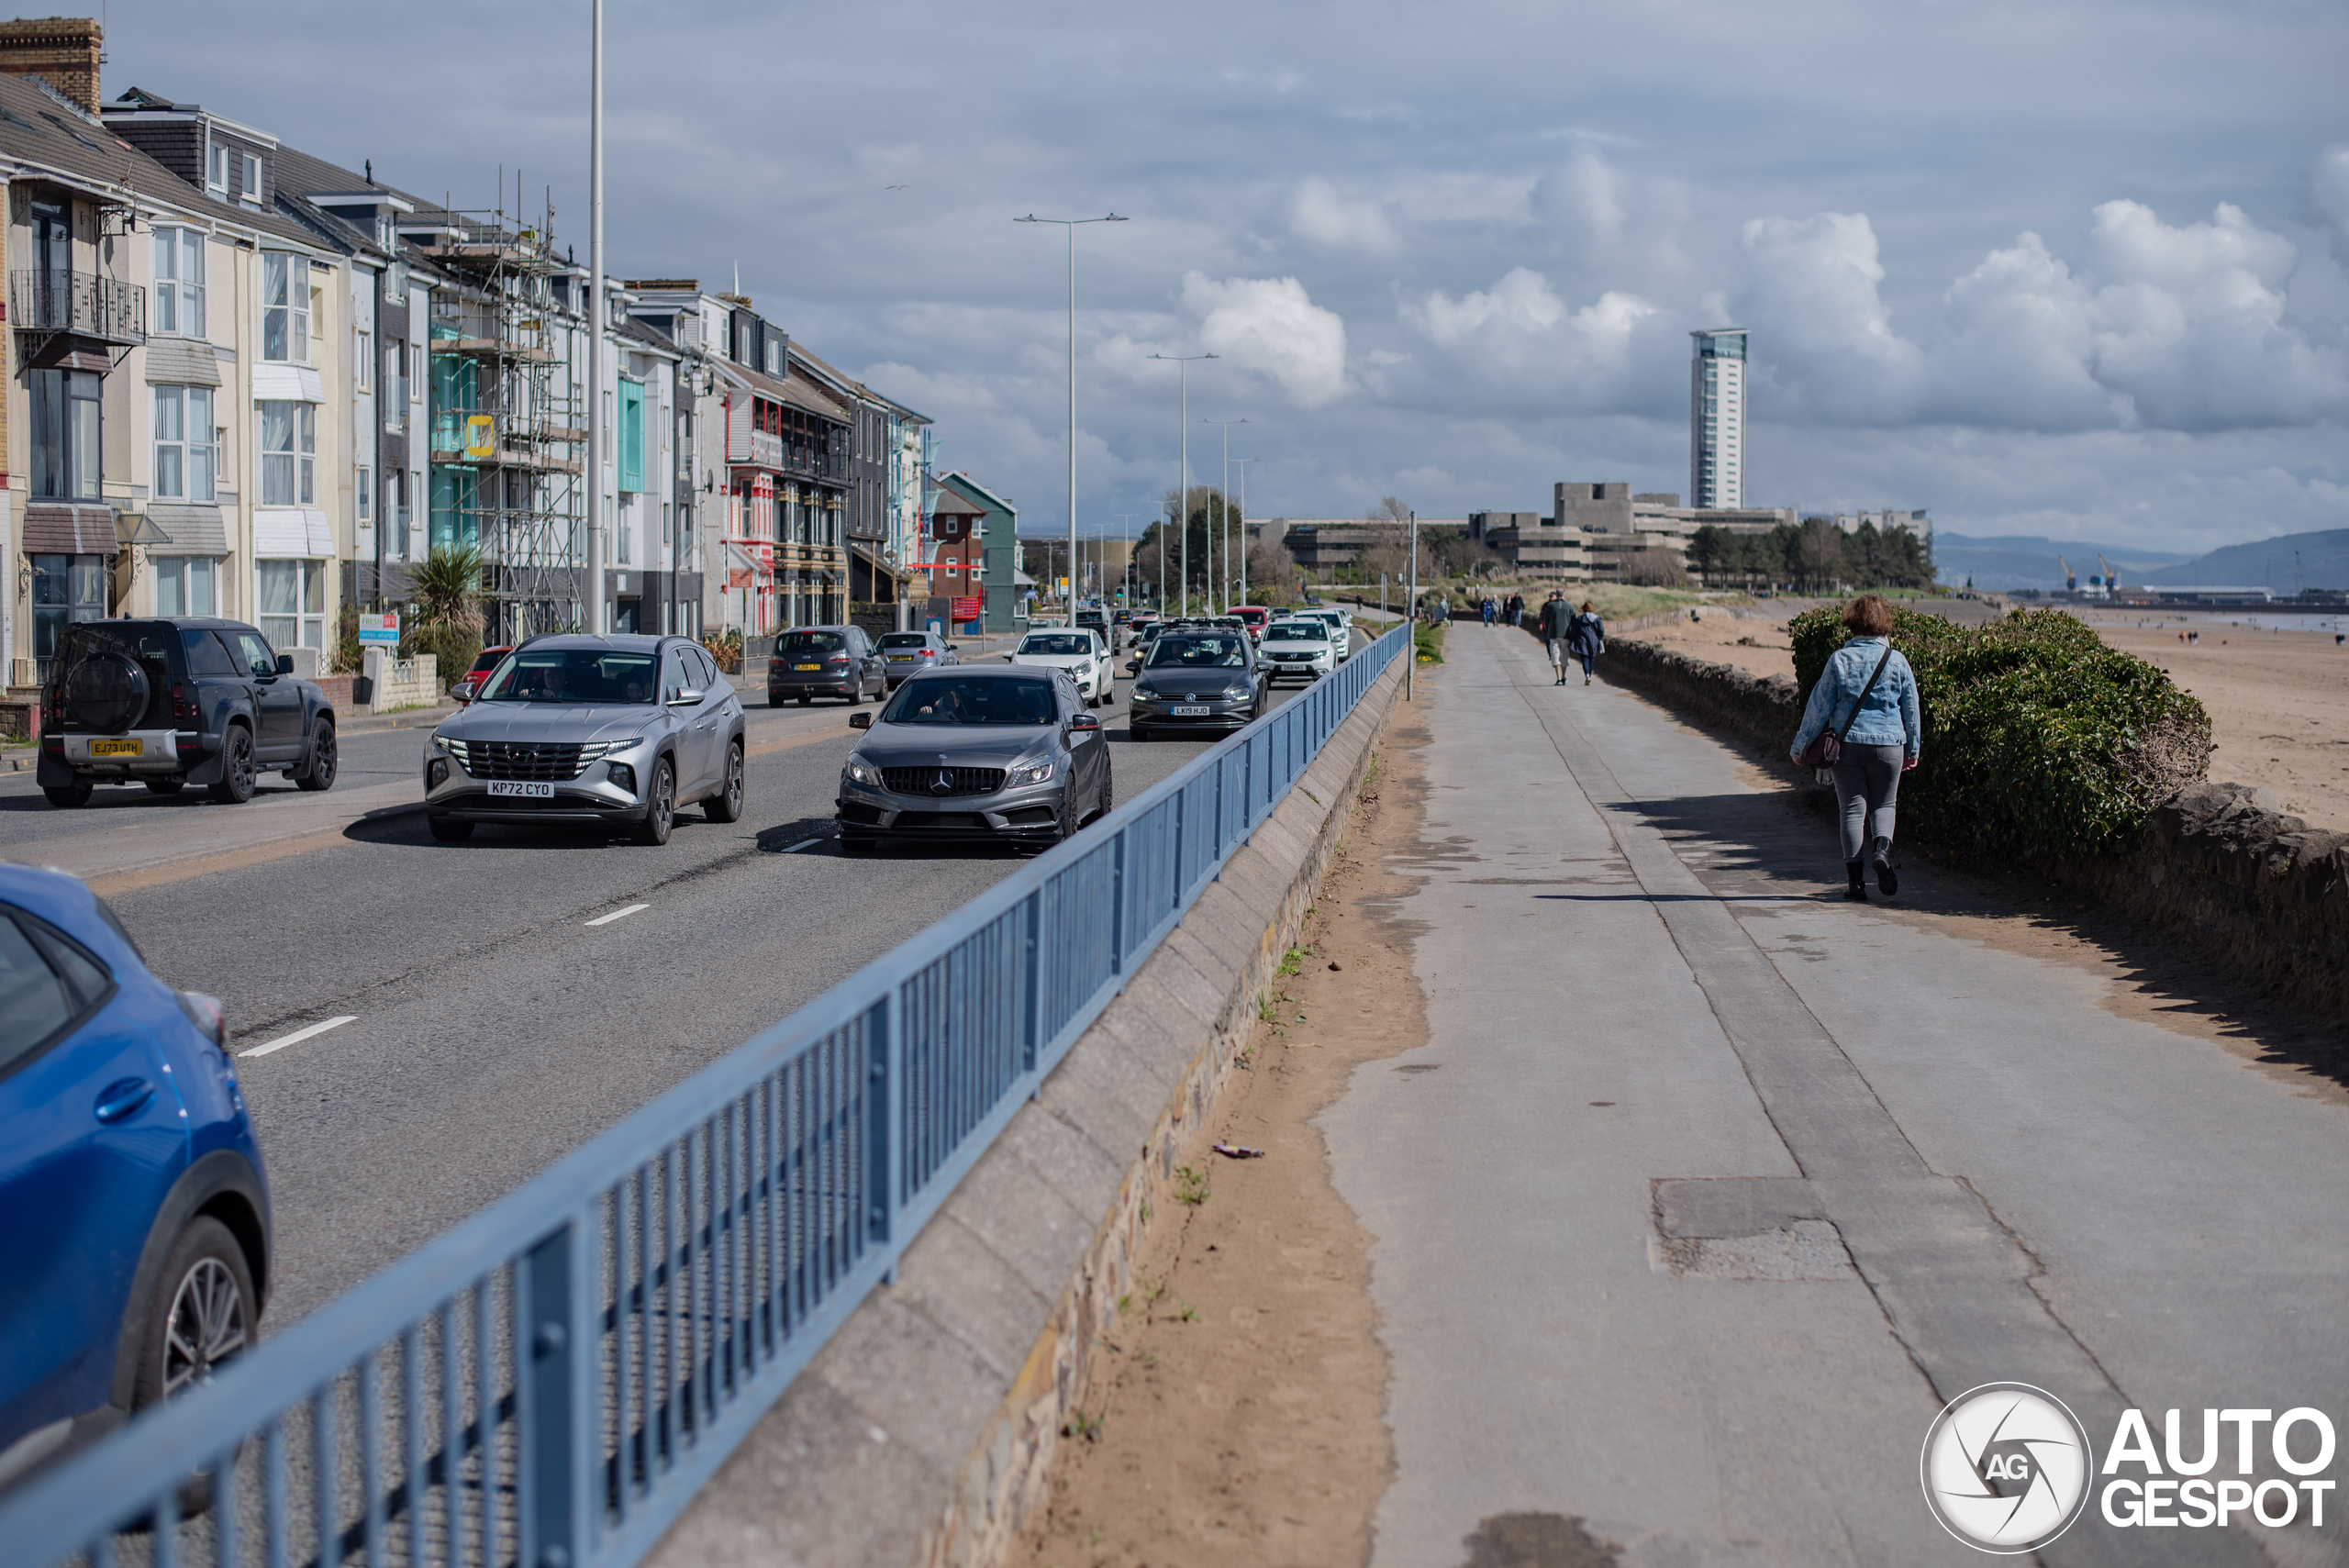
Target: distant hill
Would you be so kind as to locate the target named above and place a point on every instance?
(2324, 563)
(2028, 561)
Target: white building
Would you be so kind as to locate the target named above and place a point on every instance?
(1717, 419)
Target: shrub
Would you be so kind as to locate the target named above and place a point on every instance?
(454, 643)
(726, 648)
(2040, 741)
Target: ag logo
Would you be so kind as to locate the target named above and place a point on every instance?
(2006, 1467)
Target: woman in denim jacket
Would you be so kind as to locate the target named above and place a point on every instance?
(1880, 745)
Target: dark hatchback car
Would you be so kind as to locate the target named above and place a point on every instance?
(1200, 681)
(170, 703)
(137, 1211)
(825, 662)
(910, 652)
(1006, 755)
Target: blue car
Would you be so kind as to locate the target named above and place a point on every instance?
(132, 1202)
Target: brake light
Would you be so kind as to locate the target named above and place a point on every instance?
(183, 706)
(52, 708)
(929, 652)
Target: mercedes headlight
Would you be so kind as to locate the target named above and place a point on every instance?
(1039, 773)
(858, 771)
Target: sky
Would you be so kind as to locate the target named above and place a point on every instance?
(2063, 267)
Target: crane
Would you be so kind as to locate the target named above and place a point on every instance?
(2071, 578)
(2112, 582)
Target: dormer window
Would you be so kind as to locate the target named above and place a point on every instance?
(217, 172)
(774, 358)
(252, 179)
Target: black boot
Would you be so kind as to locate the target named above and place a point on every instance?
(1880, 857)
(1856, 879)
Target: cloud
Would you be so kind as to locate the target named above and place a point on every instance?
(1519, 345)
(1328, 219)
(1271, 326)
(2331, 194)
(1822, 331)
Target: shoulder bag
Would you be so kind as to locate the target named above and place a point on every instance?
(1826, 748)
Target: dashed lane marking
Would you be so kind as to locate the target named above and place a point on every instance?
(298, 1036)
(619, 915)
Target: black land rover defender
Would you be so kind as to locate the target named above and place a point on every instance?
(172, 703)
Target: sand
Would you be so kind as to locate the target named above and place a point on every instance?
(2279, 700)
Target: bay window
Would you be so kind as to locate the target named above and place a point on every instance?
(187, 586)
(284, 307)
(293, 601)
(289, 452)
(178, 281)
(67, 434)
(186, 456)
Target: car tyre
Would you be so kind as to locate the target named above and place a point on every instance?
(165, 787)
(661, 804)
(205, 1312)
(774, 700)
(726, 805)
(449, 830)
(805, 701)
(237, 773)
(324, 759)
(66, 797)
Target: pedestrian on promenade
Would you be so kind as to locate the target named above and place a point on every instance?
(1587, 637)
(1869, 691)
(1489, 611)
(1516, 611)
(1556, 613)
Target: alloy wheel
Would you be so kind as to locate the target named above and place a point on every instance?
(207, 1326)
(237, 773)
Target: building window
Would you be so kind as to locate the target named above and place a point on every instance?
(395, 387)
(252, 179)
(217, 173)
(285, 308)
(187, 586)
(774, 358)
(363, 488)
(66, 588)
(293, 602)
(186, 457)
(289, 451)
(178, 281)
(629, 435)
(363, 360)
(67, 434)
(398, 482)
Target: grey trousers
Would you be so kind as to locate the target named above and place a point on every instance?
(1867, 781)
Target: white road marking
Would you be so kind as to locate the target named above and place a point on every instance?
(298, 1036)
(804, 843)
(617, 915)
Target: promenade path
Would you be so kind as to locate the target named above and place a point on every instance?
(1722, 1186)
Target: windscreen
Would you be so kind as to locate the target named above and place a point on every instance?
(1192, 653)
(573, 675)
(489, 657)
(905, 640)
(1056, 642)
(799, 644)
(990, 700)
(1298, 631)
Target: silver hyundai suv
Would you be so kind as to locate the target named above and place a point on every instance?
(590, 730)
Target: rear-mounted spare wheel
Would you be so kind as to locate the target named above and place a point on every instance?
(106, 692)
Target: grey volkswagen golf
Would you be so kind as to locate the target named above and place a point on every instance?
(1007, 755)
(590, 730)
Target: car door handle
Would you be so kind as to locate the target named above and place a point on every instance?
(122, 1099)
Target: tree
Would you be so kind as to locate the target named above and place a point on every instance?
(446, 585)
(1390, 509)
(1654, 567)
(1819, 554)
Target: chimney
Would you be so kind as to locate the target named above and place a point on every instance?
(61, 50)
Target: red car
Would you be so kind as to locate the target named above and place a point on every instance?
(471, 681)
(1256, 617)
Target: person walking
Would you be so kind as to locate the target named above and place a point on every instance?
(1587, 637)
(1867, 697)
(1555, 615)
(1487, 611)
(1516, 611)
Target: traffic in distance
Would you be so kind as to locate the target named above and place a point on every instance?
(155, 1041)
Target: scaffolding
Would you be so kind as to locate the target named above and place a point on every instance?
(509, 417)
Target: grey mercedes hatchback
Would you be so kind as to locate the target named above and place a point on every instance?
(618, 730)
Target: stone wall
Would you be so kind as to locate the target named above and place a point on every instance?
(2220, 864)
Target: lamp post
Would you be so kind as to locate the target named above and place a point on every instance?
(1223, 582)
(1411, 613)
(1182, 495)
(1070, 224)
(596, 434)
(1241, 464)
(1126, 566)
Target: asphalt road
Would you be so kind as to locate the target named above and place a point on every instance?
(491, 1028)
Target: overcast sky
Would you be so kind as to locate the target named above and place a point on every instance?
(2039, 266)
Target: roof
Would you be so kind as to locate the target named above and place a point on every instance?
(978, 492)
(795, 393)
(951, 505)
(41, 127)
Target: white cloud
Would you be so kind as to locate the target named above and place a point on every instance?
(1271, 326)
(2332, 194)
(1822, 332)
(1321, 215)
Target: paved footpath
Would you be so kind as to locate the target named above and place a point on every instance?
(1722, 1186)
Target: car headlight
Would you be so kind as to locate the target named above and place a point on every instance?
(1036, 773)
(860, 772)
(1238, 693)
(617, 747)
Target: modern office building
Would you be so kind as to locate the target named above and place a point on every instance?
(1716, 418)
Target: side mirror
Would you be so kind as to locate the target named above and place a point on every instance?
(286, 663)
(1085, 721)
(860, 721)
(686, 697)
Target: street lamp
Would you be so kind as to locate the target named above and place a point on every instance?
(1241, 464)
(1224, 582)
(1070, 224)
(1126, 545)
(1183, 496)
(596, 434)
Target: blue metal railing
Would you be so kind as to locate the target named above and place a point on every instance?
(549, 1383)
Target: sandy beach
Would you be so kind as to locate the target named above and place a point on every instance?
(2278, 699)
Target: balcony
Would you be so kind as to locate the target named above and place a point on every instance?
(80, 303)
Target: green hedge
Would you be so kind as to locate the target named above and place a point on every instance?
(2040, 741)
